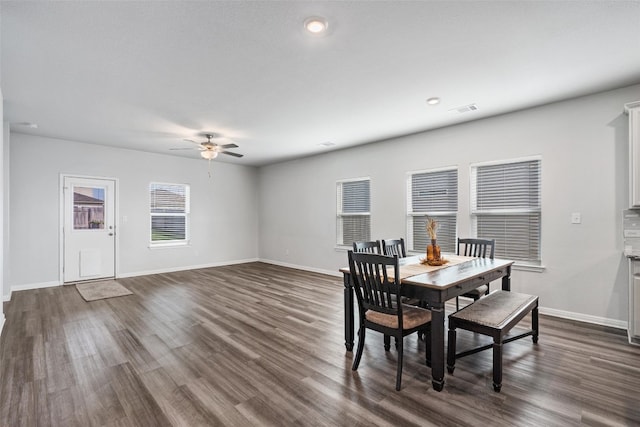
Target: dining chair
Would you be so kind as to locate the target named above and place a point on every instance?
(393, 247)
(372, 247)
(479, 248)
(376, 280)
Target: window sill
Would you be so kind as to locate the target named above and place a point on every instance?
(168, 245)
(516, 266)
(529, 267)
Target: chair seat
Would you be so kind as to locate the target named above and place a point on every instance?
(412, 317)
(477, 292)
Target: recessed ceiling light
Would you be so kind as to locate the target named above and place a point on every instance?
(433, 101)
(316, 25)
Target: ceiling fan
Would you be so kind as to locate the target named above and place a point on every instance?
(208, 149)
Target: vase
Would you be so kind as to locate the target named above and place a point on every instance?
(433, 252)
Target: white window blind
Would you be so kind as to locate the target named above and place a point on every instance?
(505, 203)
(169, 209)
(432, 194)
(353, 221)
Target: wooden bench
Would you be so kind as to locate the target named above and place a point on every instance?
(493, 315)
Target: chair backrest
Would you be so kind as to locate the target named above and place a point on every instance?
(369, 247)
(375, 289)
(479, 248)
(393, 247)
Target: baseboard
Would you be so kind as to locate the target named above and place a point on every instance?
(190, 267)
(29, 286)
(603, 321)
(302, 267)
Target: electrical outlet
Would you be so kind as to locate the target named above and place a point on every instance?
(576, 218)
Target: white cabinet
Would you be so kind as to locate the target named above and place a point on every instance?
(633, 109)
(634, 301)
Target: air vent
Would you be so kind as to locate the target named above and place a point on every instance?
(465, 108)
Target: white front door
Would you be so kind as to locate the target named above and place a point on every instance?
(89, 229)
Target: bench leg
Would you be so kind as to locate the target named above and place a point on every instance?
(387, 342)
(451, 351)
(497, 366)
(534, 324)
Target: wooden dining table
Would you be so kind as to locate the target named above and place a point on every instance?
(435, 286)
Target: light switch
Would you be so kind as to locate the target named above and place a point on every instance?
(576, 218)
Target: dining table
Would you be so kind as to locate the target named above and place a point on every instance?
(434, 285)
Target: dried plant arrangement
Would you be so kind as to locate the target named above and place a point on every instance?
(432, 226)
(433, 250)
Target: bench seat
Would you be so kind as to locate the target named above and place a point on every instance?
(493, 315)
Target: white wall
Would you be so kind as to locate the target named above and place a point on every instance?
(583, 143)
(223, 209)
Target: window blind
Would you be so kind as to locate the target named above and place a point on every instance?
(433, 194)
(353, 217)
(169, 209)
(506, 205)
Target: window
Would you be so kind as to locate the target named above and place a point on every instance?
(88, 208)
(432, 194)
(505, 205)
(353, 221)
(169, 208)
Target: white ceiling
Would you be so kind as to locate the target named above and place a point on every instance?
(146, 74)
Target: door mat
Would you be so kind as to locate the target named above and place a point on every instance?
(92, 291)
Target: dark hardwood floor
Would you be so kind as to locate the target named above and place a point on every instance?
(257, 344)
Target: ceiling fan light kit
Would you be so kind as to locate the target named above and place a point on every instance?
(209, 154)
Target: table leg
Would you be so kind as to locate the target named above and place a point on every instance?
(506, 280)
(348, 313)
(437, 346)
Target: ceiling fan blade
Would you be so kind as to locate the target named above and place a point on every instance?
(228, 146)
(192, 141)
(232, 154)
(188, 148)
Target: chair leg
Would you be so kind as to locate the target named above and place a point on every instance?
(457, 304)
(451, 351)
(399, 373)
(356, 361)
(497, 366)
(387, 342)
(534, 324)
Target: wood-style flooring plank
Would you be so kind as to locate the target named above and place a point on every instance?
(259, 344)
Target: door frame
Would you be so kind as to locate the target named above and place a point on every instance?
(116, 222)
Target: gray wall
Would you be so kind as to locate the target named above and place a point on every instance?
(224, 209)
(275, 211)
(583, 143)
